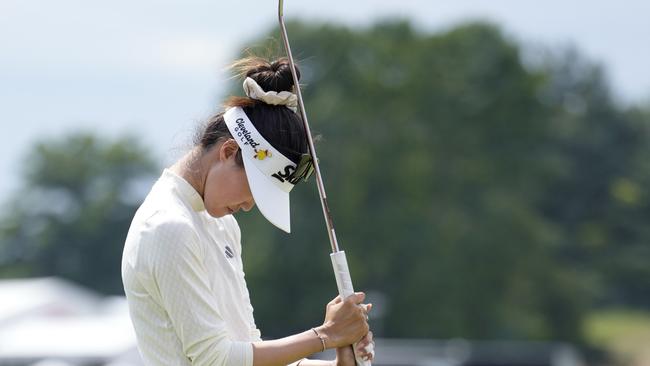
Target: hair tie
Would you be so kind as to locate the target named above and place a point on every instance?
(285, 98)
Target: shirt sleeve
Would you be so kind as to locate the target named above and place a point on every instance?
(256, 334)
(182, 287)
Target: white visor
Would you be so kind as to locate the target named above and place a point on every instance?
(266, 168)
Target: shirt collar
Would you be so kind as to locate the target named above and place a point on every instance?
(186, 190)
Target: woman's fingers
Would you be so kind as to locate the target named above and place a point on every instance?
(366, 347)
(356, 298)
(366, 340)
(369, 356)
(366, 353)
(336, 300)
(346, 320)
(366, 309)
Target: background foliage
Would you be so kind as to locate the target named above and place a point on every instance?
(477, 194)
(483, 197)
(71, 216)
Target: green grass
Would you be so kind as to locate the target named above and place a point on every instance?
(625, 333)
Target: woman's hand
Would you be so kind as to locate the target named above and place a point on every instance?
(345, 355)
(346, 322)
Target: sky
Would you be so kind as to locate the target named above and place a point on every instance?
(155, 69)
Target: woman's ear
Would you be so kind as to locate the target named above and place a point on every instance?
(228, 150)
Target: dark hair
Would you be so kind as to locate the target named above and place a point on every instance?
(278, 124)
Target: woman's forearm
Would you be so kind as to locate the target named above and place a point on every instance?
(316, 363)
(288, 350)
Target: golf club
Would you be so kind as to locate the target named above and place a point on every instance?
(339, 261)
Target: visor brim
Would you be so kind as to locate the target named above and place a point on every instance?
(272, 201)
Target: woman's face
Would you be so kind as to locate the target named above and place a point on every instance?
(226, 189)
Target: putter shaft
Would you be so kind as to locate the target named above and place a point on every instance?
(312, 149)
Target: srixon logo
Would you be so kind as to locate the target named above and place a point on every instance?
(285, 174)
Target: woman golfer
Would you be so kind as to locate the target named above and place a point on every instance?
(182, 268)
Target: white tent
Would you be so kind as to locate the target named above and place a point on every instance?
(48, 321)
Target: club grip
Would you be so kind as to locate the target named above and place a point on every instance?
(344, 283)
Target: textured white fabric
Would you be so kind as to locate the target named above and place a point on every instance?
(184, 281)
(285, 98)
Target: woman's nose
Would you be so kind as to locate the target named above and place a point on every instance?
(247, 206)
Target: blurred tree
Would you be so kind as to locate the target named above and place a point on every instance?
(71, 216)
(475, 195)
(453, 171)
(599, 197)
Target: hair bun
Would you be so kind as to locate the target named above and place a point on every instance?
(272, 76)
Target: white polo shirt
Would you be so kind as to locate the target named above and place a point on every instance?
(184, 282)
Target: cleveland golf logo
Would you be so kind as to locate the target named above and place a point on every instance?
(284, 174)
(245, 135)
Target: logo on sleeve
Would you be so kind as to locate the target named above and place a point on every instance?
(229, 252)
